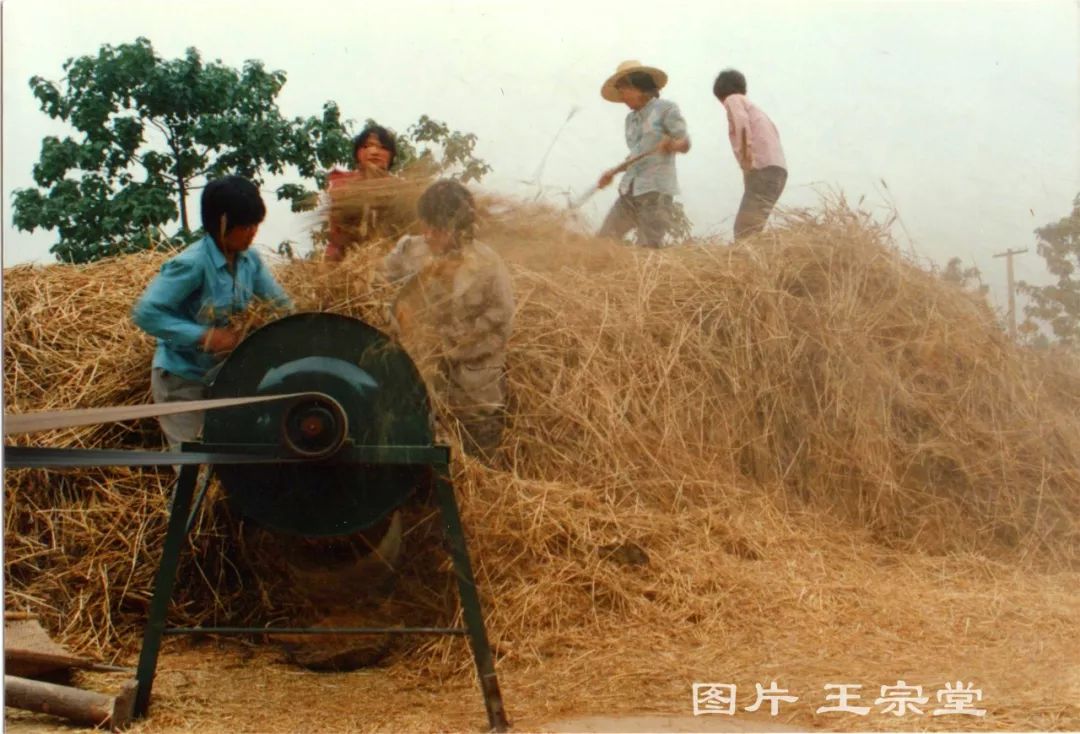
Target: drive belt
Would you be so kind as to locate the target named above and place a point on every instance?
(53, 419)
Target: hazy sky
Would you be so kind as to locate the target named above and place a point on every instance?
(968, 111)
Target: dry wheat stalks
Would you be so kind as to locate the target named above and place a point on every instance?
(771, 422)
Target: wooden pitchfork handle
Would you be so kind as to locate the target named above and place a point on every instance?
(633, 159)
(587, 194)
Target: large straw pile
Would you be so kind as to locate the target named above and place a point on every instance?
(704, 441)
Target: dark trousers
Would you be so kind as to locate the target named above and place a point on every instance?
(763, 187)
(649, 214)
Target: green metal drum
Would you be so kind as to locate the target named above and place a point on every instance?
(376, 398)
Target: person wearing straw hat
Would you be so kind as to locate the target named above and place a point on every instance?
(189, 304)
(655, 131)
(756, 144)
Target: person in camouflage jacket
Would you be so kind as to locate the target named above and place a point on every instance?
(454, 312)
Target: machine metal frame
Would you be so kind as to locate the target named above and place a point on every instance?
(185, 504)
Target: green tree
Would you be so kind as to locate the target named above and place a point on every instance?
(149, 131)
(967, 278)
(452, 154)
(1058, 305)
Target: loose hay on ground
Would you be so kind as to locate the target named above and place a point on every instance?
(836, 463)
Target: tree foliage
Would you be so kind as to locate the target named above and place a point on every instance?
(149, 131)
(453, 155)
(969, 278)
(1058, 305)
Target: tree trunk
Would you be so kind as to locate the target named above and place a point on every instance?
(181, 187)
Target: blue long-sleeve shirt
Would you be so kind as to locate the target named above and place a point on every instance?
(193, 292)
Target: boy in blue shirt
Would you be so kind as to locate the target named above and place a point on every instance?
(189, 304)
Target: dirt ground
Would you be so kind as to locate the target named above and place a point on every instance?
(806, 617)
(230, 689)
(1026, 663)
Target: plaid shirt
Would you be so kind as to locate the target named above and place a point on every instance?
(644, 128)
(453, 315)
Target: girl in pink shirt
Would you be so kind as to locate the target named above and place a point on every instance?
(756, 144)
(374, 150)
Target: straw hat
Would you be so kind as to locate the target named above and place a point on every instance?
(609, 92)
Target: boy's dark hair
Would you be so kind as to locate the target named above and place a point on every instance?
(386, 139)
(642, 81)
(230, 202)
(448, 205)
(729, 82)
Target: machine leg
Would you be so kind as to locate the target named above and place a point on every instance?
(163, 587)
(470, 604)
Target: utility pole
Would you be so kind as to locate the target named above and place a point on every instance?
(1008, 255)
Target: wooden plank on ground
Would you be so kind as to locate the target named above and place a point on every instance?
(30, 652)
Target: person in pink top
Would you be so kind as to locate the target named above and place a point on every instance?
(374, 150)
(756, 144)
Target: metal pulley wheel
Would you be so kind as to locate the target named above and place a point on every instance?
(374, 396)
(314, 427)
